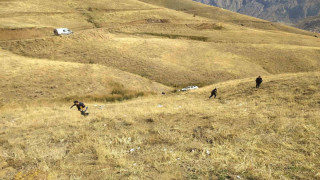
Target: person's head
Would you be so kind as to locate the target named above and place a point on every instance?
(76, 102)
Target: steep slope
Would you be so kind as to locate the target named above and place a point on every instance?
(25, 79)
(289, 12)
(125, 49)
(168, 61)
(269, 133)
(223, 15)
(74, 14)
(173, 47)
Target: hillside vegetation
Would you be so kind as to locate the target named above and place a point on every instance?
(122, 56)
(167, 46)
(25, 79)
(269, 133)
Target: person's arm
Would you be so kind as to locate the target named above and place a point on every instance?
(72, 106)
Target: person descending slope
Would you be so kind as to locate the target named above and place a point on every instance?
(81, 107)
(213, 93)
(258, 81)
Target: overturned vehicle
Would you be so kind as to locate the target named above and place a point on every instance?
(62, 31)
(189, 88)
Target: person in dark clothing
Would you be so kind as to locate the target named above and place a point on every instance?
(81, 107)
(258, 81)
(213, 93)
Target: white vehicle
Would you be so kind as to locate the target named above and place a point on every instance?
(62, 31)
(189, 88)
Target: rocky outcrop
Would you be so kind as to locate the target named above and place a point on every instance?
(311, 24)
(285, 11)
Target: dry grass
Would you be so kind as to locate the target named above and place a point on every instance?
(126, 49)
(209, 48)
(218, 14)
(269, 133)
(150, 54)
(31, 79)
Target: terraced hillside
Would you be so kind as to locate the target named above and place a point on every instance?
(167, 46)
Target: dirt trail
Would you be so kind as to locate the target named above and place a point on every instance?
(121, 10)
(24, 33)
(17, 14)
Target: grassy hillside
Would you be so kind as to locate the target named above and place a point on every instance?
(129, 49)
(171, 47)
(25, 79)
(214, 13)
(269, 133)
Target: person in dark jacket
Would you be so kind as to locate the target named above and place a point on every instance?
(213, 93)
(258, 81)
(81, 107)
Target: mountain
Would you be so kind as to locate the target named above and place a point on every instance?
(311, 24)
(288, 12)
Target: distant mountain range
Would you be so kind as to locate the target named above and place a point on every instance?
(310, 23)
(300, 13)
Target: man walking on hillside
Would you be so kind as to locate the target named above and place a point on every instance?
(81, 107)
(258, 81)
(213, 93)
